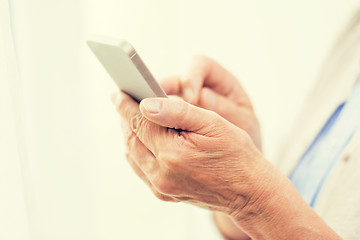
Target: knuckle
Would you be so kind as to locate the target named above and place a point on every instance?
(216, 119)
(131, 141)
(200, 58)
(186, 80)
(133, 148)
(137, 123)
(121, 104)
(197, 62)
(183, 111)
(163, 185)
(212, 121)
(133, 122)
(170, 160)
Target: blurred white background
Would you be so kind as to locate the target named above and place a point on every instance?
(63, 174)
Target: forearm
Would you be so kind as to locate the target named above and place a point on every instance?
(281, 213)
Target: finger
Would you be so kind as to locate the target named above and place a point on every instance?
(178, 114)
(126, 130)
(171, 85)
(138, 170)
(151, 134)
(224, 107)
(204, 71)
(143, 163)
(135, 148)
(143, 177)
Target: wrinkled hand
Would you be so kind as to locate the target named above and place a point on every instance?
(186, 153)
(209, 162)
(208, 85)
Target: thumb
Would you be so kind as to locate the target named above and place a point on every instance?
(178, 114)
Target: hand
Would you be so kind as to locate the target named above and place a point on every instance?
(209, 162)
(213, 164)
(208, 85)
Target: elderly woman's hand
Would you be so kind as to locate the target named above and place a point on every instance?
(207, 84)
(185, 153)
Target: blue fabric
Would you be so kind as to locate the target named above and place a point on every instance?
(317, 162)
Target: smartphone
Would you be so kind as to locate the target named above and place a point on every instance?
(125, 67)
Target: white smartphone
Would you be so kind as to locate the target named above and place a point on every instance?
(125, 67)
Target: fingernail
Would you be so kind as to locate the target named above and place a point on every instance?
(152, 105)
(188, 94)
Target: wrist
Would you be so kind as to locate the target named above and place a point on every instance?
(263, 188)
(277, 211)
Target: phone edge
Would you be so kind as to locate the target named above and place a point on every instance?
(141, 67)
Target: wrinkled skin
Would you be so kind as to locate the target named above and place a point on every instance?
(207, 84)
(184, 165)
(207, 153)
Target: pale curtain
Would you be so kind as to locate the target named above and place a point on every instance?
(13, 210)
